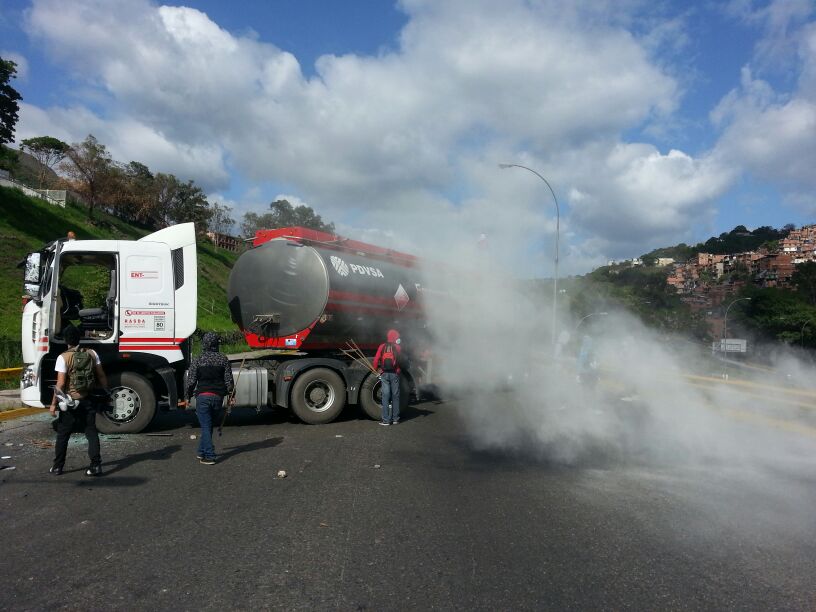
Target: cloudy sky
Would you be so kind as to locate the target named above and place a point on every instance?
(654, 122)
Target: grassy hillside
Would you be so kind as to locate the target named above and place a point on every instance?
(26, 224)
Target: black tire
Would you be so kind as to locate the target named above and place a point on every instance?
(318, 396)
(132, 406)
(371, 396)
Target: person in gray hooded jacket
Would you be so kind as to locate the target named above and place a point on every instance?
(210, 380)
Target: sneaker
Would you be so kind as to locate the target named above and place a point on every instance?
(206, 461)
(199, 457)
(386, 423)
(395, 422)
(56, 471)
(94, 470)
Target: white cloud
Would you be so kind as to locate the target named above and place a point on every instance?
(625, 199)
(781, 23)
(770, 134)
(406, 141)
(127, 140)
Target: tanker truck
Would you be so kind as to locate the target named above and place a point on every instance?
(299, 296)
(304, 296)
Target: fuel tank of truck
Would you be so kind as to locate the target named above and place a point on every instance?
(287, 294)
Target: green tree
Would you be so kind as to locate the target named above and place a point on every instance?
(774, 314)
(283, 214)
(221, 220)
(804, 279)
(9, 159)
(188, 204)
(135, 186)
(90, 166)
(165, 187)
(8, 101)
(47, 150)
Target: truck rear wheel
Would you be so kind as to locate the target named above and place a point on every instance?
(318, 396)
(371, 396)
(132, 407)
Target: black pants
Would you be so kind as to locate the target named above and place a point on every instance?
(82, 417)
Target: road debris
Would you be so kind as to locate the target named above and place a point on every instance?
(6, 457)
(164, 434)
(338, 435)
(376, 466)
(281, 473)
(40, 443)
(193, 437)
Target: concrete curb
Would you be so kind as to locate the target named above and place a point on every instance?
(10, 399)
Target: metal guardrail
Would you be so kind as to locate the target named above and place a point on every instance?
(9, 373)
(36, 193)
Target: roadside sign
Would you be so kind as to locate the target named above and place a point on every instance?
(730, 345)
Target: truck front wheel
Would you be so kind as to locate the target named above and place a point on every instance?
(132, 407)
(318, 396)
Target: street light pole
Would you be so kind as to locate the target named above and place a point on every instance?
(725, 335)
(599, 314)
(557, 233)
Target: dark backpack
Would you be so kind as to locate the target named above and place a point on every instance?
(390, 358)
(80, 369)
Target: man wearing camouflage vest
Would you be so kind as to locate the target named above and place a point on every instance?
(78, 370)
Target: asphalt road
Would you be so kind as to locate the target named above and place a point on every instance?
(399, 518)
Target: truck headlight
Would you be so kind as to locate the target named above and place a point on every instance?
(28, 378)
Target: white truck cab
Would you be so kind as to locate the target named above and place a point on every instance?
(135, 304)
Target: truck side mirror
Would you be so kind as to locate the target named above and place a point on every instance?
(32, 276)
(32, 268)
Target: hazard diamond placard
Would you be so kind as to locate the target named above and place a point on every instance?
(401, 297)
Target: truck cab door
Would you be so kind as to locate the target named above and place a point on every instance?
(84, 291)
(147, 309)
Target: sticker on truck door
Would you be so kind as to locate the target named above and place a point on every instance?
(148, 320)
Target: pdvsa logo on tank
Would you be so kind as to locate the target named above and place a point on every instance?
(340, 266)
(343, 269)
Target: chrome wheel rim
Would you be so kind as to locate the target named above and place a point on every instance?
(318, 395)
(125, 405)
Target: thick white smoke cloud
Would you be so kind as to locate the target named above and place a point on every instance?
(660, 414)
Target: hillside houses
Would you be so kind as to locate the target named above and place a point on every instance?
(708, 278)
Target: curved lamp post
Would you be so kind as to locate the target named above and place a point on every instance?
(591, 314)
(557, 232)
(725, 334)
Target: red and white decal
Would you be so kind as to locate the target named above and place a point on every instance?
(149, 344)
(144, 274)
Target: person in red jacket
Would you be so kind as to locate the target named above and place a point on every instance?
(387, 363)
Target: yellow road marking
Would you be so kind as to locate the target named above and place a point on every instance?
(772, 422)
(7, 415)
(768, 398)
(753, 385)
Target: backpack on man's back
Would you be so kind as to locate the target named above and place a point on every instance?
(390, 358)
(79, 367)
